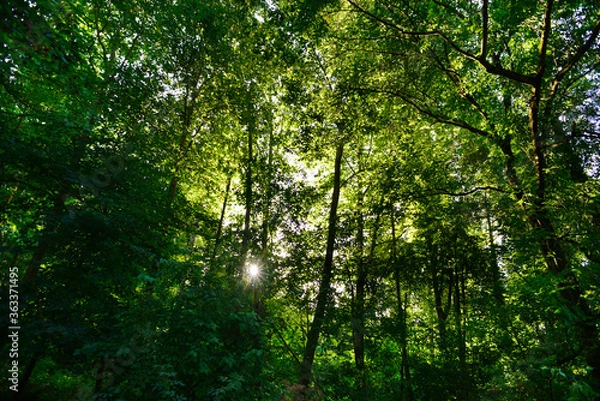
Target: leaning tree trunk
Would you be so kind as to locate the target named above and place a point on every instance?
(324, 293)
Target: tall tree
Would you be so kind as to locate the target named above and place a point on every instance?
(484, 82)
(324, 294)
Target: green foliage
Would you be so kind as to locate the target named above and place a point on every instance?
(150, 151)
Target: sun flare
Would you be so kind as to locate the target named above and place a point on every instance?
(253, 270)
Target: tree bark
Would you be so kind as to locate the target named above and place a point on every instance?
(324, 293)
(358, 306)
(497, 289)
(267, 204)
(437, 281)
(221, 219)
(184, 141)
(406, 387)
(551, 246)
(247, 195)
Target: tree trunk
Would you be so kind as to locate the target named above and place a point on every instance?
(267, 204)
(188, 114)
(438, 278)
(458, 315)
(551, 246)
(497, 289)
(358, 306)
(406, 387)
(221, 219)
(247, 196)
(324, 293)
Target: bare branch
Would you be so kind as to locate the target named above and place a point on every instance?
(446, 120)
(369, 38)
(472, 191)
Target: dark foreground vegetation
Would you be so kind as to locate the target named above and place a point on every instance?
(314, 200)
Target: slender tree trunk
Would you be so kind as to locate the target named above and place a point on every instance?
(458, 315)
(58, 206)
(247, 195)
(405, 367)
(438, 278)
(358, 306)
(40, 253)
(496, 284)
(221, 219)
(358, 311)
(401, 310)
(267, 204)
(188, 113)
(259, 286)
(324, 293)
(184, 143)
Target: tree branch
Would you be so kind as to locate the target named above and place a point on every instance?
(534, 111)
(489, 67)
(456, 79)
(545, 39)
(451, 9)
(484, 33)
(390, 24)
(472, 191)
(438, 118)
(445, 120)
(590, 134)
(576, 57)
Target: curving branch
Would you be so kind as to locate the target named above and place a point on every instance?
(457, 81)
(389, 24)
(575, 58)
(472, 191)
(426, 111)
(489, 67)
(445, 120)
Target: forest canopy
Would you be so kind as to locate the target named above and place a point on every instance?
(315, 200)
